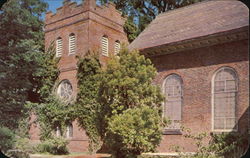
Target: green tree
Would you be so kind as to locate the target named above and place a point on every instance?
(127, 83)
(21, 43)
(134, 131)
(124, 83)
(144, 11)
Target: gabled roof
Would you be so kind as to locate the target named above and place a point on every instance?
(193, 22)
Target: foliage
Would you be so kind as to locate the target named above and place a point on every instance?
(7, 139)
(221, 145)
(124, 83)
(133, 132)
(19, 49)
(127, 83)
(55, 146)
(23, 144)
(144, 11)
(52, 114)
(17, 154)
(130, 29)
(87, 109)
(229, 145)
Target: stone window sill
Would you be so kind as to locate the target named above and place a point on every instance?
(171, 132)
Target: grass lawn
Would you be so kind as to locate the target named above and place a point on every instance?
(71, 155)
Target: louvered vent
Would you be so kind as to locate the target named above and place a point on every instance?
(59, 47)
(105, 46)
(117, 47)
(72, 44)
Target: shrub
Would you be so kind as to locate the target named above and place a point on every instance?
(229, 145)
(55, 146)
(17, 154)
(24, 145)
(133, 132)
(7, 138)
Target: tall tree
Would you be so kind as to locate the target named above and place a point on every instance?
(144, 11)
(21, 45)
(125, 83)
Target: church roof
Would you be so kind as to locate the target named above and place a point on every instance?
(191, 22)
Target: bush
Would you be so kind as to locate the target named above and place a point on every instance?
(229, 145)
(7, 139)
(55, 146)
(135, 131)
(17, 154)
(24, 145)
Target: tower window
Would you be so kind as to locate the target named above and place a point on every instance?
(59, 46)
(105, 43)
(117, 47)
(72, 44)
(65, 90)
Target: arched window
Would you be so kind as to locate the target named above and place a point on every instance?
(224, 93)
(58, 131)
(72, 44)
(105, 45)
(65, 90)
(59, 46)
(69, 132)
(173, 100)
(117, 47)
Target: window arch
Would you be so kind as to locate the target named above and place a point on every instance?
(72, 43)
(224, 94)
(173, 100)
(69, 132)
(65, 90)
(59, 46)
(117, 47)
(105, 47)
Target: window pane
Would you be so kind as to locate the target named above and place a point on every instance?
(230, 85)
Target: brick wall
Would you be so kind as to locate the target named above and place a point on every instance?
(197, 67)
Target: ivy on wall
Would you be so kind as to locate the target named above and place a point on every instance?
(104, 92)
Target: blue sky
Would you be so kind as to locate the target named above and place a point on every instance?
(53, 4)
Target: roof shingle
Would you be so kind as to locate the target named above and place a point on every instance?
(197, 20)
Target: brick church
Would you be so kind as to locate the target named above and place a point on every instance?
(200, 52)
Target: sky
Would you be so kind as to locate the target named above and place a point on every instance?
(53, 4)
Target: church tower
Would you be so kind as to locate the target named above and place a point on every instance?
(74, 30)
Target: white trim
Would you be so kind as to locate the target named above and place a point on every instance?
(212, 99)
